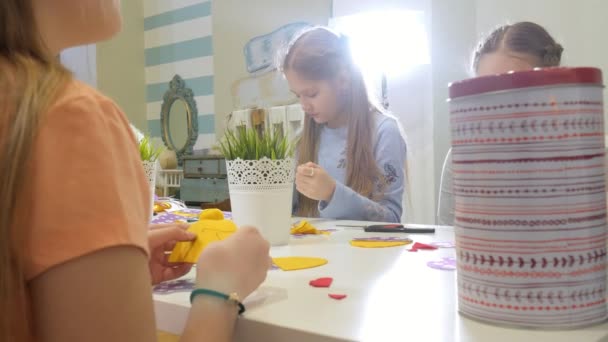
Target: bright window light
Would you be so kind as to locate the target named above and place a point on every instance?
(386, 42)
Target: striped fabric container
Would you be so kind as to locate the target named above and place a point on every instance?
(530, 197)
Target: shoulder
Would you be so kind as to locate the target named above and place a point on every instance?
(388, 128)
(84, 108)
(82, 112)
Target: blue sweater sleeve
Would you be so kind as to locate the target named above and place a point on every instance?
(390, 153)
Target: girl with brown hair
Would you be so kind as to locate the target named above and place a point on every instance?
(351, 153)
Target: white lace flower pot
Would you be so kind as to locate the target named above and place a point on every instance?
(261, 196)
(150, 168)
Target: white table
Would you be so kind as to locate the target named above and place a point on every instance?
(392, 296)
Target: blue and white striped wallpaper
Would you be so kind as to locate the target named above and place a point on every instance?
(177, 36)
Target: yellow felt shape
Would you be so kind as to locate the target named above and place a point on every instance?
(211, 214)
(378, 244)
(206, 231)
(304, 227)
(160, 207)
(298, 263)
(184, 214)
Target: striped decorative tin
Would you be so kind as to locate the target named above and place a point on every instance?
(530, 197)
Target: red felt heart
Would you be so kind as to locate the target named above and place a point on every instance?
(419, 245)
(321, 282)
(337, 296)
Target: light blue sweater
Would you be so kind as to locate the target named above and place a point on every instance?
(390, 154)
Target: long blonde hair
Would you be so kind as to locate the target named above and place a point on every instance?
(30, 79)
(321, 54)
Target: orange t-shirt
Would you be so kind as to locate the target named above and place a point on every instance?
(85, 189)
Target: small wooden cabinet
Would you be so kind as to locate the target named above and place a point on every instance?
(205, 180)
(204, 167)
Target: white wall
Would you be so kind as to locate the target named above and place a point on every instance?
(120, 65)
(235, 22)
(348, 7)
(453, 36)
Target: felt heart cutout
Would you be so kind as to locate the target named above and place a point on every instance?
(417, 246)
(337, 296)
(321, 282)
(378, 244)
(298, 263)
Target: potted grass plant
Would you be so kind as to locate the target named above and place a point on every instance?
(260, 167)
(149, 154)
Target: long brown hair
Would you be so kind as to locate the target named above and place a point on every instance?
(321, 54)
(522, 37)
(30, 79)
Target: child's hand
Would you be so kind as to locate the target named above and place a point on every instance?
(161, 240)
(314, 182)
(238, 264)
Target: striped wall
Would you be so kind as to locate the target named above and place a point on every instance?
(177, 40)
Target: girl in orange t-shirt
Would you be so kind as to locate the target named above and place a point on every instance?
(76, 256)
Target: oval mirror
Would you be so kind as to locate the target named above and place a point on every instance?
(178, 118)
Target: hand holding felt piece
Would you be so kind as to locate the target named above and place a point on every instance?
(211, 227)
(162, 239)
(314, 182)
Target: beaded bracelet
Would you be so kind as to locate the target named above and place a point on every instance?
(233, 297)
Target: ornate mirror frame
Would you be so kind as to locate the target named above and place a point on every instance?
(178, 91)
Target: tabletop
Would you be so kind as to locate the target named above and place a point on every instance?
(392, 294)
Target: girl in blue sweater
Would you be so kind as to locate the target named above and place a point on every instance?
(351, 154)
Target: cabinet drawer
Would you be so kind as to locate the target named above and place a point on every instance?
(203, 190)
(196, 168)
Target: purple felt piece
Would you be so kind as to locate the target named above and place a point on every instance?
(181, 285)
(170, 217)
(383, 238)
(442, 244)
(446, 264)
